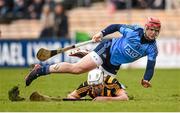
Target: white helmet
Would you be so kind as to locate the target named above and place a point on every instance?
(95, 77)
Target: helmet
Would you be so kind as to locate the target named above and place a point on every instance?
(153, 22)
(95, 77)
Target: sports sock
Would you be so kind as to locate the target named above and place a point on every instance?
(43, 70)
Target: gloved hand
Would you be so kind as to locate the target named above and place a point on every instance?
(79, 53)
(145, 83)
(97, 37)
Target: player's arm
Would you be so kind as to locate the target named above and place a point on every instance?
(121, 96)
(152, 53)
(80, 92)
(73, 95)
(108, 30)
(111, 29)
(148, 74)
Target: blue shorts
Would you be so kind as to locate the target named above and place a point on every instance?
(103, 50)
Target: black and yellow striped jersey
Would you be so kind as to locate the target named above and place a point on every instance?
(110, 88)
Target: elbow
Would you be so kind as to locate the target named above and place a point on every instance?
(125, 98)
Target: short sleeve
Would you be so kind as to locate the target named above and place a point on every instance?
(83, 89)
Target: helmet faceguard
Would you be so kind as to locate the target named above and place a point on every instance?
(95, 77)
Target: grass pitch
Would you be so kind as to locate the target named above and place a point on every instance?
(163, 96)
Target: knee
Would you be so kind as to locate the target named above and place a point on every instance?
(78, 71)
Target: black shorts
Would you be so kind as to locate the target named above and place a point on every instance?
(103, 50)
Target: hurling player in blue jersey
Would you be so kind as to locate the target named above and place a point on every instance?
(134, 43)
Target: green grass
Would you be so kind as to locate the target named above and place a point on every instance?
(163, 96)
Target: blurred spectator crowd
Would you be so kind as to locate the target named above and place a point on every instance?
(140, 4)
(145, 4)
(32, 9)
(52, 13)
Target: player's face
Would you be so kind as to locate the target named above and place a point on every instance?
(97, 89)
(152, 33)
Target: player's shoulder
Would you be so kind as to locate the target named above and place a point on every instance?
(110, 80)
(132, 27)
(153, 44)
(153, 47)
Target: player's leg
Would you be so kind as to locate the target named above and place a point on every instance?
(89, 62)
(84, 65)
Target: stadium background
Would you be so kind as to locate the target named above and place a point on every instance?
(21, 26)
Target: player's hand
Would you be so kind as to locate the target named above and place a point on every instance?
(97, 37)
(145, 83)
(79, 53)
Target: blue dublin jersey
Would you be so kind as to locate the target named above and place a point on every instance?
(129, 48)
